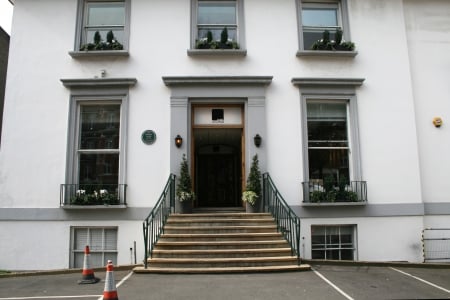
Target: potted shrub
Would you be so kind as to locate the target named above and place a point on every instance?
(184, 193)
(326, 44)
(208, 42)
(252, 193)
(98, 44)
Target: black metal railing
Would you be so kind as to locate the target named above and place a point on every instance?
(353, 191)
(153, 225)
(288, 223)
(92, 194)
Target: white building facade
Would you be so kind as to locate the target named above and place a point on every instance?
(86, 119)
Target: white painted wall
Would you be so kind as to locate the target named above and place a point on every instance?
(34, 141)
(34, 149)
(377, 239)
(45, 245)
(428, 27)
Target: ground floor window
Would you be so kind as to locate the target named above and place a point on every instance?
(333, 242)
(102, 242)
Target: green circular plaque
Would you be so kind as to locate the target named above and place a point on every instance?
(148, 137)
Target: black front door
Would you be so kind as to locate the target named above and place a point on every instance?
(218, 169)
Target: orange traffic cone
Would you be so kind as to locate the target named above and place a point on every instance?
(110, 292)
(88, 273)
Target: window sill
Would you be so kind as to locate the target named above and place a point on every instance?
(95, 207)
(102, 53)
(321, 53)
(216, 52)
(317, 204)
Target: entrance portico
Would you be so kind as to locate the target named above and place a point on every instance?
(218, 153)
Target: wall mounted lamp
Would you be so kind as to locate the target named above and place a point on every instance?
(178, 141)
(257, 140)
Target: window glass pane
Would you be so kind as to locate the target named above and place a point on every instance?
(118, 34)
(332, 254)
(104, 14)
(80, 238)
(203, 31)
(78, 259)
(99, 169)
(100, 126)
(319, 17)
(326, 111)
(96, 259)
(110, 239)
(347, 254)
(312, 36)
(110, 256)
(216, 13)
(96, 236)
(327, 131)
(318, 255)
(325, 162)
(327, 124)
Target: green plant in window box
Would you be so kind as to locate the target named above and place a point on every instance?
(332, 193)
(101, 197)
(208, 42)
(326, 44)
(317, 196)
(343, 193)
(98, 45)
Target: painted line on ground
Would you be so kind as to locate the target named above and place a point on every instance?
(332, 285)
(50, 297)
(120, 283)
(422, 280)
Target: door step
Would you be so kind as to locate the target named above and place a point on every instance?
(265, 269)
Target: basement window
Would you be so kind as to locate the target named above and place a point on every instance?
(333, 242)
(102, 242)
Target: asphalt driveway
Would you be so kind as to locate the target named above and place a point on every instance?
(323, 282)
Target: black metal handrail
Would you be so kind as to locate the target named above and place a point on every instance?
(92, 194)
(153, 225)
(288, 223)
(353, 191)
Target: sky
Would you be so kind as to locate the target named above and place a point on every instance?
(6, 11)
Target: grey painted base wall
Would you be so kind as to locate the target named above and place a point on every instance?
(140, 213)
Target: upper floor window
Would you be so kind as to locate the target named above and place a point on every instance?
(318, 17)
(217, 24)
(324, 25)
(102, 25)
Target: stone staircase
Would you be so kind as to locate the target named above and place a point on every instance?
(221, 243)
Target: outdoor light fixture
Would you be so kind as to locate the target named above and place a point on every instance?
(257, 139)
(178, 141)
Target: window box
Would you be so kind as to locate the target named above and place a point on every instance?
(81, 54)
(217, 52)
(93, 195)
(327, 191)
(322, 53)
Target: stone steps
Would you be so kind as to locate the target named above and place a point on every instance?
(221, 243)
(222, 253)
